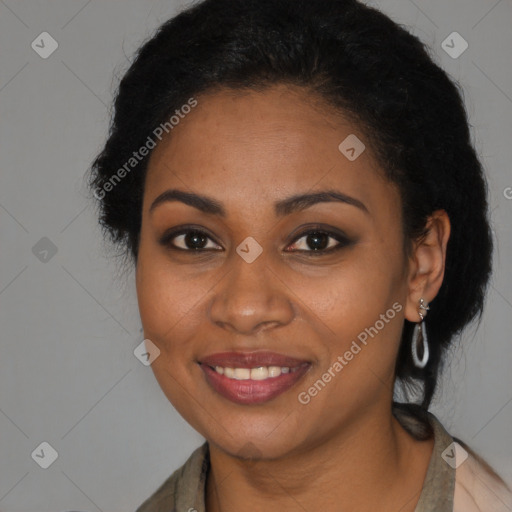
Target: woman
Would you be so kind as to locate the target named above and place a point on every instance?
(295, 183)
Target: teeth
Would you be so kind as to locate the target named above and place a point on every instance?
(229, 372)
(259, 373)
(242, 373)
(274, 371)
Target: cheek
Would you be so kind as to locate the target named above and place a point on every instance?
(167, 301)
(360, 310)
(168, 310)
(352, 296)
(358, 313)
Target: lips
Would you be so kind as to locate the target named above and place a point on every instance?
(249, 391)
(251, 360)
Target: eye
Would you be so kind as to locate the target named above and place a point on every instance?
(318, 241)
(194, 240)
(188, 239)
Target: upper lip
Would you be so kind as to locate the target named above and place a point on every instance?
(251, 360)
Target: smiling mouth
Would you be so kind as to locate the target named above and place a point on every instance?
(243, 381)
(257, 373)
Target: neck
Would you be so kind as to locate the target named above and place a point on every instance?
(373, 464)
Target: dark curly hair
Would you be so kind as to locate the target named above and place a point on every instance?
(364, 65)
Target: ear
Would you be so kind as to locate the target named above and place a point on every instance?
(427, 264)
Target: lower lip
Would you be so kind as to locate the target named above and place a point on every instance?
(248, 392)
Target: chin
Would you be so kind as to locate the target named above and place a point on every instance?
(269, 439)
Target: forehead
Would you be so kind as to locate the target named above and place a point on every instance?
(256, 146)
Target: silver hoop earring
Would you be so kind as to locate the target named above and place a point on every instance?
(419, 336)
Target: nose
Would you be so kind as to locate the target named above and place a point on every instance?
(250, 298)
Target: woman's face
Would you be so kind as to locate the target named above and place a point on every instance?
(253, 281)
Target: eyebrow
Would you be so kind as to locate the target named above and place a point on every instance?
(283, 207)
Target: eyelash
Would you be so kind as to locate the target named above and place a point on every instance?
(343, 241)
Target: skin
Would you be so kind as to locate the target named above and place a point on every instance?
(343, 450)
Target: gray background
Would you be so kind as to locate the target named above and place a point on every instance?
(68, 375)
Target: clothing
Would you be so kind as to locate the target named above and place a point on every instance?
(468, 486)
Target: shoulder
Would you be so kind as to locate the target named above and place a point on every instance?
(478, 488)
(181, 487)
(458, 479)
(163, 497)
